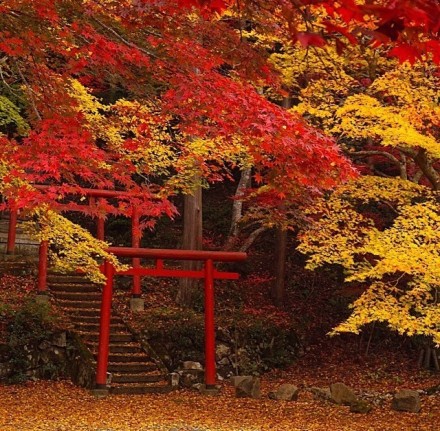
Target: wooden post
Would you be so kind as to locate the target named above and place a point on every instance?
(104, 328)
(100, 232)
(135, 243)
(210, 372)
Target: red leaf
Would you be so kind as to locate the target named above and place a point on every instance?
(405, 52)
(307, 39)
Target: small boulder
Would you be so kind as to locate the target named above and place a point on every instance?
(406, 401)
(174, 379)
(191, 365)
(321, 393)
(360, 406)
(285, 392)
(190, 377)
(342, 394)
(432, 390)
(222, 351)
(236, 380)
(248, 388)
(224, 361)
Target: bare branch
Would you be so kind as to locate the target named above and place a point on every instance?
(29, 90)
(251, 238)
(123, 40)
(389, 156)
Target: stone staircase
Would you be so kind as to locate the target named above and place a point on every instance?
(24, 246)
(132, 370)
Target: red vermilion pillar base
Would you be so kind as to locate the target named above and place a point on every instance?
(104, 328)
(210, 372)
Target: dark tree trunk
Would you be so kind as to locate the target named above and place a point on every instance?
(192, 240)
(278, 292)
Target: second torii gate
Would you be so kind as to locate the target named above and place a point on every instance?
(209, 273)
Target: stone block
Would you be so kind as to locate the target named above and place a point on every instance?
(406, 401)
(342, 394)
(236, 380)
(174, 379)
(360, 406)
(285, 392)
(191, 365)
(321, 393)
(60, 339)
(248, 388)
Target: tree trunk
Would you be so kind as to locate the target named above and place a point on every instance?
(192, 240)
(278, 291)
(237, 208)
(425, 164)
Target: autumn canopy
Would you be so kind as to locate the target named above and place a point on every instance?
(153, 98)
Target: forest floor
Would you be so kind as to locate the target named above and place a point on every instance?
(60, 406)
(389, 366)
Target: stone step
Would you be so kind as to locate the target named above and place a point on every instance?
(95, 319)
(82, 312)
(138, 378)
(28, 258)
(20, 237)
(94, 327)
(93, 336)
(131, 367)
(128, 358)
(90, 305)
(67, 279)
(140, 390)
(129, 347)
(77, 296)
(74, 287)
(18, 262)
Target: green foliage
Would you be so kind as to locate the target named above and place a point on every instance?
(175, 334)
(257, 344)
(27, 328)
(262, 345)
(10, 118)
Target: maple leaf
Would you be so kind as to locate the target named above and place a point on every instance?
(310, 39)
(405, 52)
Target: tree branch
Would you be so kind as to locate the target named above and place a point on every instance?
(251, 238)
(123, 40)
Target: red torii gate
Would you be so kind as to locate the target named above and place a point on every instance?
(208, 273)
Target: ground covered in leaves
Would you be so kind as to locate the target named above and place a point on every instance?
(60, 406)
(390, 365)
